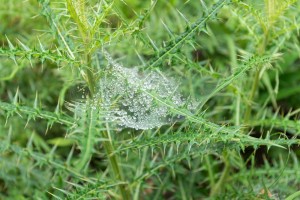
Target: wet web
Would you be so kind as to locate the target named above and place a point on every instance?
(132, 99)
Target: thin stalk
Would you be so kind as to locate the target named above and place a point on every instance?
(114, 163)
(210, 171)
(218, 186)
(252, 95)
(255, 83)
(84, 29)
(80, 18)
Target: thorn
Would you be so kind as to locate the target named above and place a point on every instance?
(49, 125)
(11, 46)
(26, 48)
(184, 18)
(205, 30)
(57, 109)
(58, 52)
(168, 30)
(204, 7)
(6, 120)
(140, 58)
(65, 43)
(16, 98)
(28, 119)
(41, 46)
(69, 158)
(29, 143)
(153, 44)
(35, 105)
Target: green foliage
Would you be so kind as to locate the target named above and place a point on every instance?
(149, 99)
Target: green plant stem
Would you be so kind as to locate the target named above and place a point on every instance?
(83, 27)
(261, 50)
(113, 161)
(251, 97)
(90, 79)
(210, 171)
(218, 186)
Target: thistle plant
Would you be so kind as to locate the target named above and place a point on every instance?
(149, 100)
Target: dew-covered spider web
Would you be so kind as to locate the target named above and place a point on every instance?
(133, 99)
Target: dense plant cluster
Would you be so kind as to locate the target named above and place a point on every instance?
(149, 99)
